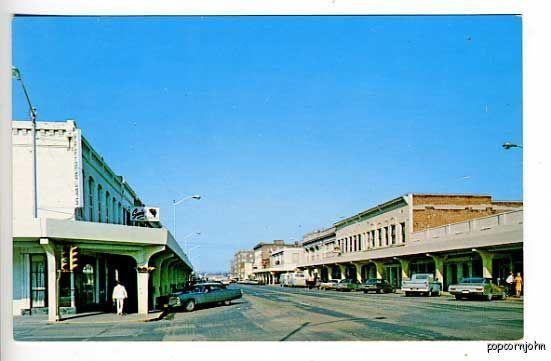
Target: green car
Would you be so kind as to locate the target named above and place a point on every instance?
(472, 287)
(377, 286)
(202, 294)
(347, 285)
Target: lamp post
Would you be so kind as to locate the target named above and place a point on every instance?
(509, 145)
(17, 75)
(175, 203)
(188, 236)
(191, 249)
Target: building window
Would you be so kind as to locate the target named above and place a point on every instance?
(91, 199)
(107, 207)
(359, 242)
(393, 233)
(380, 237)
(119, 220)
(403, 229)
(99, 202)
(114, 203)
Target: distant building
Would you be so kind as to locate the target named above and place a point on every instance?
(272, 259)
(242, 264)
(82, 203)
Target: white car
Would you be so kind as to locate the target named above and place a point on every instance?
(422, 284)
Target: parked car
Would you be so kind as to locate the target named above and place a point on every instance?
(297, 279)
(204, 293)
(248, 282)
(477, 287)
(376, 285)
(284, 279)
(347, 284)
(422, 284)
(329, 285)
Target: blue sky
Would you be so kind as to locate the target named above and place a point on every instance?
(283, 124)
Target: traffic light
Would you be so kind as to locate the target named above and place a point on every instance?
(73, 260)
(64, 260)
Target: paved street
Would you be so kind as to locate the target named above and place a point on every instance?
(276, 313)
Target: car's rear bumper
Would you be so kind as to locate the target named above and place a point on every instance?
(467, 293)
(415, 289)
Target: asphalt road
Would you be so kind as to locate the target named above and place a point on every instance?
(268, 313)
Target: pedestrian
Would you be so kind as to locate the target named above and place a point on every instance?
(518, 284)
(509, 281)
(119, 294)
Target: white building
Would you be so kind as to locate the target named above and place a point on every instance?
(82, 203)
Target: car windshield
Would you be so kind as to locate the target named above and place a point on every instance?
(421, 277)
(473, 280)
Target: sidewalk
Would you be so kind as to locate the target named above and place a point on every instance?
(101, 317)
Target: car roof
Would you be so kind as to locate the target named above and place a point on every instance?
(208, 284)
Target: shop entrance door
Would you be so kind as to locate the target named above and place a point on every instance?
(85, 284)
(38, 281)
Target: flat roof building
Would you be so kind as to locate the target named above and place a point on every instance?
(82, 203)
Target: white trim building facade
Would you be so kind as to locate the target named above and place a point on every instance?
(82, 203)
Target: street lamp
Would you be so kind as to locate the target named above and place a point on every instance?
(191, 249)
(175, 203)
(509, 145)
(188, 236)
(17, 75)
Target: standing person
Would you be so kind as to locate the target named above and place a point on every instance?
(518, 284)
(510, 279)
(119, 294)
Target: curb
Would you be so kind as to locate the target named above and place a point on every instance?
(153, 319)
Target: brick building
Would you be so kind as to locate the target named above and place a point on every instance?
(451, 235)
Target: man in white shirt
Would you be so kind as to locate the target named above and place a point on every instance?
(119, 294)
(509, 282)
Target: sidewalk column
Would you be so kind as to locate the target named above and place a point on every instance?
(343, 271)
(460, 271)
(404, 265)
(143, 292)
(49, 247)
(165, 267)
(438, 267)
(318, 272)
(142, 275)
(156, 275)
(72, 288)
(378, 269)
(358, 271)
(487, 259)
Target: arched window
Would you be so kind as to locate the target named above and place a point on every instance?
(99, 202)
(107, 207)
(114, 207)
(120, 214)
(90, 199)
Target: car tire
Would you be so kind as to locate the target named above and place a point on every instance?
(190, 305)
(227, 302)
(457, 297)
(378, 291)
(407, 293)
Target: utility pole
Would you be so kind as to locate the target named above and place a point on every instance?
(17, 75)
